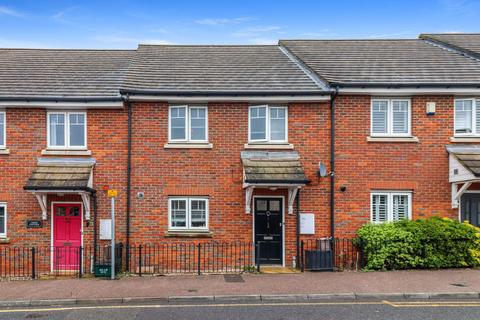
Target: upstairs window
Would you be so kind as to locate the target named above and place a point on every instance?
(3, 130)
(467, 117)
(188, 213)
(188, 124)
(268, 124)
(390, 206)
(390, 117)
(67, 130)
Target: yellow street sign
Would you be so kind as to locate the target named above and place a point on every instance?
(112, 193)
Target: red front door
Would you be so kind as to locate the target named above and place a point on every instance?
(67, 225)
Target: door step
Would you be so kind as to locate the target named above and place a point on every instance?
(275, 269)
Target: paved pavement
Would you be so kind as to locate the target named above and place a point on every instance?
(458, 310)
(464, 283)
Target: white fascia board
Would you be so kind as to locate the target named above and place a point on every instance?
(63, 105)
(250, 99)
(410, 91)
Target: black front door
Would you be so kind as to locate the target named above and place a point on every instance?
(268, 229)
(470, 208)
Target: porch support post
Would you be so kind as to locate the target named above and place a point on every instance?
(42, 201)
(248, 199)
(292, 193)
(454, 193)
(86, 204)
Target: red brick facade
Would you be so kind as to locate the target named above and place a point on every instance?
(158, 172)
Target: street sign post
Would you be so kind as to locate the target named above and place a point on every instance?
(112, 193)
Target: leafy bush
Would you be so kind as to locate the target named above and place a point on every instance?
(431, 243)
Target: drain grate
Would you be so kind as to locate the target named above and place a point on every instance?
(233, 278)
(458, 285)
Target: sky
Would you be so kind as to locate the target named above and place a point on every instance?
(123, 24)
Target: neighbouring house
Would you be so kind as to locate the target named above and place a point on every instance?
(236, 143)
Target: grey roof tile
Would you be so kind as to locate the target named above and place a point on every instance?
(379, 62)
(219, 69)
(466, 42)
(55, 176)
(62, 73)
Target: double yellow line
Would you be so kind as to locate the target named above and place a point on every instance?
(396, 304)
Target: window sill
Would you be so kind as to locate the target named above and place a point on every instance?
(276, 146)
(188, 234)
(393, 139)
(50, 152)
(465, 139)
(4, 240)
(172, 145)
(4, 151)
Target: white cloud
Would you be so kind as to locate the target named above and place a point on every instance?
(62, 16)
(256, 31)
(130, 40)
(9, 43)
(263, 41)
(5, 11)
(222, 21)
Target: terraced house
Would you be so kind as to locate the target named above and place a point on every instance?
(301, 140)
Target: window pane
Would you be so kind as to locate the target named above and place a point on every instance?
(379, 116)
(2, 219)
(198, 213)
(463, 116)
(2, 129)
(198, 124)
(400, 116)
(258, 123)
(57, 129)
(379, 207)
(400, 207)
(179, 213)
(177, 123)
(277, 124)
(77, 130)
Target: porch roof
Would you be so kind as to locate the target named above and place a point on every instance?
(61, 175)
(273, 168)
(468, 156)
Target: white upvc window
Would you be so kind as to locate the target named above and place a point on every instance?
(390, 206)
(3, 220)
(390, 117)
(188, 213)
(268, 124)
(3, 130)
(467, 117)
(188, 124)
(67, 130)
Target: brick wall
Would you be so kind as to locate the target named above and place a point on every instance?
(26, 137)
(363, 166)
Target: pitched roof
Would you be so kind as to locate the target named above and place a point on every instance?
(57, 73)
(216, 69)
(272, 167)
(385, 62)
(466, 42)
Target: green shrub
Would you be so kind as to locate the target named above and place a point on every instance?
(431, 243)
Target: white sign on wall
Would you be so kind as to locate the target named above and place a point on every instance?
(307, 223)
(105, 229)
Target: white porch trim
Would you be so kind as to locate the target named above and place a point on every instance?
(42, 201)
(41, 196)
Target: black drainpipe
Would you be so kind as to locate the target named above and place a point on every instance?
(332, 163)
(129, 179)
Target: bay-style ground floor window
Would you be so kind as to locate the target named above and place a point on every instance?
(188, 213)
(390, 206)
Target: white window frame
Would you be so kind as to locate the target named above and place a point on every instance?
(267, 125)
(390, 132)
(188, 215)
(474, 118)
(4, 205)
(390, 195)
(4, 144)
(188, 129)
(67, 146)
